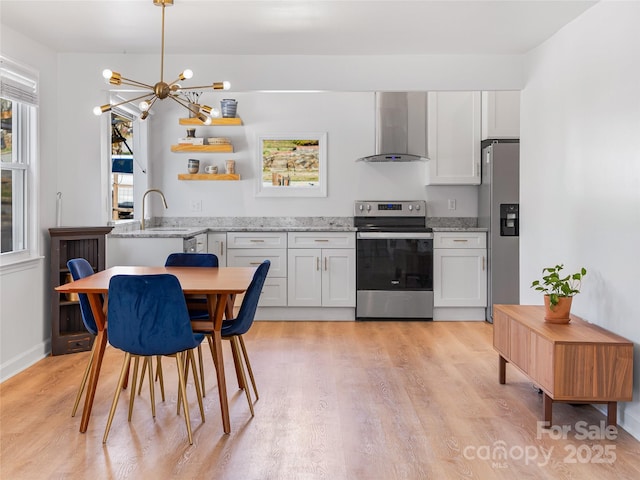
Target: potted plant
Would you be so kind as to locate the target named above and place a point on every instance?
(558, 292)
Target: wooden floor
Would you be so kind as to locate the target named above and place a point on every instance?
(338, 400)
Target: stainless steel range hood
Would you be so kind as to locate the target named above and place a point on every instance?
(401, 127)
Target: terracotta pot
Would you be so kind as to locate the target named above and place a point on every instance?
(559, 313)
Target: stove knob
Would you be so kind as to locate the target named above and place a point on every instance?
(410, 207)
(361, 207)
(418, 207)
(368, 207)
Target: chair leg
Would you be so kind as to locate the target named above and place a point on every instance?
(238, 361)
(144, 371)
(248, 364)
(152, 389)
(132, 393)
(182, 391)
(83, 383)
(116, 396)
(159, 374)
(201, 363)
(186, 378)
(196, 383)
(237, 364)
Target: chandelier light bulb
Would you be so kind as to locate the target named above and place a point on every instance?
(208, 121)
(106, 74)
(187, 74)
(97, 111)
(144, 106)
(226, 85)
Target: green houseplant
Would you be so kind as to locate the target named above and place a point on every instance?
(559, 291)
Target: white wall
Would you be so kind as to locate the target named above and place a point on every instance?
(348, 119)
(580, 169)
(24, 290)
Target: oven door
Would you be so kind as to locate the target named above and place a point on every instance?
(394, 275)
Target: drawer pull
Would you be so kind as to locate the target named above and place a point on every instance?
(464, 240)
(321, 240)
(317, 263)
(326, 267)
(254, 240)
(221, 248)
(255, 263)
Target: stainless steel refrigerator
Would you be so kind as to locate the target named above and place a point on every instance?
(499, 211)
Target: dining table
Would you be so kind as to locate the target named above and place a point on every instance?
(219, 285)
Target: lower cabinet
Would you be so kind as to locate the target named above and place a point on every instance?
(217, 244)
(460, 269)
(250, 249)
(321, 277)
(147, 251)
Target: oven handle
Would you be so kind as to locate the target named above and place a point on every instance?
(394, 235)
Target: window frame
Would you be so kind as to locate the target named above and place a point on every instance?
(24, 157)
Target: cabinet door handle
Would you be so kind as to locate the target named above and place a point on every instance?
(464, 240)
(317, 263)
(321, 240)
(254, 240)
(326, 267)
(221, 248)
(483, 263)
(260, 263)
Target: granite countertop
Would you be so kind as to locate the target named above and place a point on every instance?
(184, 227)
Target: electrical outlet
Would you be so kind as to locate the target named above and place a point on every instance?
(452, 204)
(196, 205)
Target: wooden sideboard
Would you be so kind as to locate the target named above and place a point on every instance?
(578, 362)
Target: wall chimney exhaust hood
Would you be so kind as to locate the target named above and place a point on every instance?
(401, 127)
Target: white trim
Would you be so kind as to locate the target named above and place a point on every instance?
(18, 262)
(21, 362)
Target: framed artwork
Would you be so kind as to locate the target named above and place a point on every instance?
(292, 165)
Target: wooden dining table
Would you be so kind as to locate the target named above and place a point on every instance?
(220, 285)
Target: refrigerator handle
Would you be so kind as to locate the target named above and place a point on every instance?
(483, 263)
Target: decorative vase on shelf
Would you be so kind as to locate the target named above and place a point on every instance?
(559, 313)
(229, 107)
(193, 110)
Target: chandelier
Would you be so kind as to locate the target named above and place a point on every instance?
(162, 89)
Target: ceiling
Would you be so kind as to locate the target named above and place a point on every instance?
(258, 27)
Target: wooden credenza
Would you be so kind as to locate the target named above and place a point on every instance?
(578, 362)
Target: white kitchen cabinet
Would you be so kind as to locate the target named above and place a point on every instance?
(217, 244)
(324, 275)
(460, 269)
(501, 114)
(146, 251)
(250, 249)
(453, 138)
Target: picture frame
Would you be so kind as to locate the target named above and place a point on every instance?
(292, 165)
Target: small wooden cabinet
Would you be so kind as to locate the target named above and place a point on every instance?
(578, 362)
(453, 138)
(68, 333)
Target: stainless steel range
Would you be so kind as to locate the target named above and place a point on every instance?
(394, 261)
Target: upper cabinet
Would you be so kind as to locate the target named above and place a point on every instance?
(501, 114)
(453, 138)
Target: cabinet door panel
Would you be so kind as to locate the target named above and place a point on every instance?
(338, 278)
(305, 278)
(459, 278)
(217, 244)
(239, 257)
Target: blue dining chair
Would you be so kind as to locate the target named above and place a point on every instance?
(234, 329)
(80, 268)
(148, 316)
(197, 308)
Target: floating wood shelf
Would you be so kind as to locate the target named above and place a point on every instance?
(208, 176)
(214, 122)
(221, 148)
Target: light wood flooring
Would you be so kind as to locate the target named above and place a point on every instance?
(338, 400)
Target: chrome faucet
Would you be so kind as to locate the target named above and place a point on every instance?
(144, 196)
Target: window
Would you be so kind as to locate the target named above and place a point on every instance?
(18, 112)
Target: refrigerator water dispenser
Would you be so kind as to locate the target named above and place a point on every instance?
(509, 220)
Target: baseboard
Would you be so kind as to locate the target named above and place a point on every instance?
(444, 314)
(23, 361)
(345, 314)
